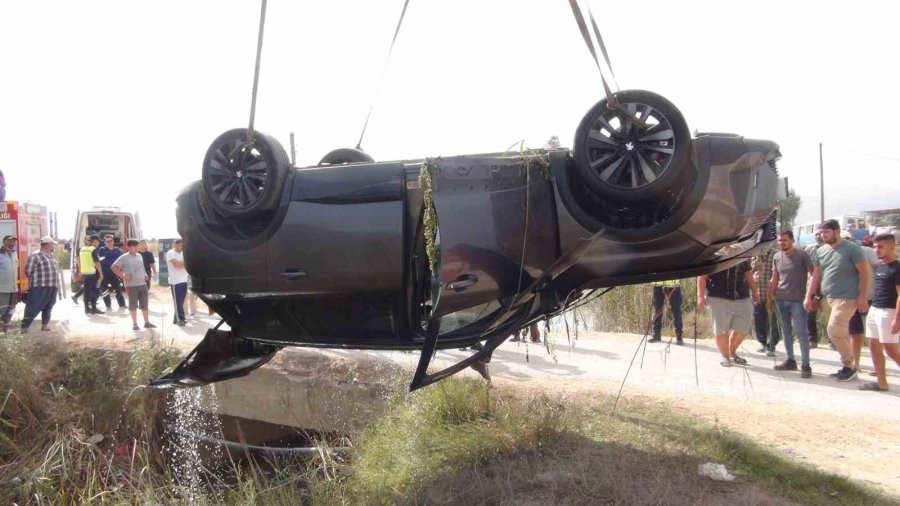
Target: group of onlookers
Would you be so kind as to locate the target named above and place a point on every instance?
(130, 271)
(780, 292)
(105, 271)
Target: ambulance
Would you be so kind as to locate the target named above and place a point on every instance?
(100, 221)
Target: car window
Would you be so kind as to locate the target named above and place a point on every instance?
(466, 317)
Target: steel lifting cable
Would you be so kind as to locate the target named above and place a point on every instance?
(383, 73)
(259, 42)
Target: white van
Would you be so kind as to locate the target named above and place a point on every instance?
(99, 221)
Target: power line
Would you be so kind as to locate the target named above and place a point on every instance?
(873, 155)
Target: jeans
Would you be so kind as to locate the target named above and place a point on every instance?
(179, 291)
(765, 325)
(40, 300)
(660, 294)
(793, 317)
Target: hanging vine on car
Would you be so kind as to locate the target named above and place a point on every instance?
(429, 221)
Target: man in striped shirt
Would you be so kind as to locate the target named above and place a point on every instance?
(43, 283)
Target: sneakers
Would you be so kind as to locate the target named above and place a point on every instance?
(770, 352)
(45, 328)
(805, 372)
(787, 365)
(135, 327)
(763, 349)
(97, 311)
(654, 340)
(846, 374)
(814, 344)
(181, 323)
(679, 341)
(149, 325)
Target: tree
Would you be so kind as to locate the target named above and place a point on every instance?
(789, 209)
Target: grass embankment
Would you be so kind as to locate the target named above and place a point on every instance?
(458, 442)
(451, 443)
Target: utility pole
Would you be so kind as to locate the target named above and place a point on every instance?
(293, 151)
(821, 186)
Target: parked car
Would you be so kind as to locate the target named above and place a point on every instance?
(449, 252)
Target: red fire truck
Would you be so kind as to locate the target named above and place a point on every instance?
(28, 223)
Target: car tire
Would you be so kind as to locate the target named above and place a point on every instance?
(241, 179)
(618, 159)
(342, 156)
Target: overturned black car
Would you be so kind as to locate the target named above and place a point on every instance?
(448, 252)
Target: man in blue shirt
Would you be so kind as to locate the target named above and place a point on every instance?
(108, 254)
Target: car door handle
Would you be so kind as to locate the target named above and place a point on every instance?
(292, 274)
(462, 282)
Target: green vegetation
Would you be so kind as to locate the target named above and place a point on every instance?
(430, 167)
(77, 427)
(629, 309)
(459, 442)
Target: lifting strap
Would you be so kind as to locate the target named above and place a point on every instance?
(582, 26)
(585, 34)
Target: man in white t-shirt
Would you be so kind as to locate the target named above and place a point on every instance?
(178, 280)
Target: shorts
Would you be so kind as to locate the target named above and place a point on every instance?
(728, 315)
(857, 325)
(138, 296)
(878, 325)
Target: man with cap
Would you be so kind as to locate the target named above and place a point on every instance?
(43, 282)
(91, 274)
(9, 277)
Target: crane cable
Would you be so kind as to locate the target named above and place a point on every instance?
(259, 42)
(383, 72)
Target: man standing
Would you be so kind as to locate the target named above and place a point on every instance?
(43, 282)
(857, 322)
(108, 254)
(178, 280)
(91, 274)
(790, 268)
(883, 320)
(729, 307)
(130, 268)
(9, 280)
(149, 261)
(666, 291)
(840, 269)
(764, 321)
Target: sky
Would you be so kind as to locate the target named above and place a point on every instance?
(116, 102)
